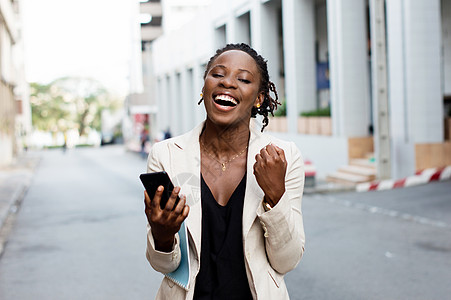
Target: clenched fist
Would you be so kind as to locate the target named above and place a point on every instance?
(269, 170)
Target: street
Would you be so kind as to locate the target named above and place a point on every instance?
(80, 234)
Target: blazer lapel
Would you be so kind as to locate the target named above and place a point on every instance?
(254, 193)
(185, 167)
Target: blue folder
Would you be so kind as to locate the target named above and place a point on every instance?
(181, 275)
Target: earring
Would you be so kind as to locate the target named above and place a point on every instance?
(258, 105)
(201, 99)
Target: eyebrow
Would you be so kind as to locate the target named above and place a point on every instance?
(224, 67)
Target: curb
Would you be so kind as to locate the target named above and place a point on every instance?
(421, 177)
(15, 181)
(9, 214)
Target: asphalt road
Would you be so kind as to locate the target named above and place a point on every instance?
(80, 234)
(376, 245)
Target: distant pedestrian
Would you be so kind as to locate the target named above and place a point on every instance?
(144, 139)
(244, 220)
(167, 134)
(65, 143)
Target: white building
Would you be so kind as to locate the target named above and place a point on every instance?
(387, 70)
(155, 17)
(15, 113)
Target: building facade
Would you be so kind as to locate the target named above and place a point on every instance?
(15, 113)
(140, 102)
(382, 68)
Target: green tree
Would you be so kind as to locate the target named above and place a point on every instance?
(68, 103)
(49, 109)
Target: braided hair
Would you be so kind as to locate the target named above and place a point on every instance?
(269, 104)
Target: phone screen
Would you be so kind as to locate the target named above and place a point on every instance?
(152, 181)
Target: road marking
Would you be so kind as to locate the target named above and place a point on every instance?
(386, 212)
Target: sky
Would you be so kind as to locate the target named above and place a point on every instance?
(87, 38)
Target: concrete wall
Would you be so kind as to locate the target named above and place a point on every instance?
(15, 116)
(326, 153)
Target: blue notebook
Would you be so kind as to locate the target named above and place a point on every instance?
(181, 275)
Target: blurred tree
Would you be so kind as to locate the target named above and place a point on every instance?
(49, 110)
(68, 103)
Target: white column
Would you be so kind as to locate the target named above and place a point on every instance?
(169, 104)
(256, 30)
(186, 107)
(299, 58)
(161, 103)
(423, 58)
(178, 115)
(270, 48)
(265, 36)
(231, 29)
(349, 71)
(415, 89)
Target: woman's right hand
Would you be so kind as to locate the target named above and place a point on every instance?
(165, 223)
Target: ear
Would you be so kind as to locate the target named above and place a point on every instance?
(259, 101)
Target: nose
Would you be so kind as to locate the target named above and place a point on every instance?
(228, 81)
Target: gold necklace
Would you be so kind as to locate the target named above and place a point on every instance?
(223, 164)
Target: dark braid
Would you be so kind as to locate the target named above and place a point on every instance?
(269, 104)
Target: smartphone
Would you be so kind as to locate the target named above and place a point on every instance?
(152, 181)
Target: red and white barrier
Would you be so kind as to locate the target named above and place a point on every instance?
(421, 177)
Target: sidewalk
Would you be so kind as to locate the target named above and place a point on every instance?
(322, 186)
(14, 182)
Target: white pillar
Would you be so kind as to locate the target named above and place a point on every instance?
(423, 58)
(256, 30)
(162, 97)
(349, 70)
(186, 100)
(178, 115)
(231, 28)
(265, 36)
(169, 104)
(415, 90)
(299, 58)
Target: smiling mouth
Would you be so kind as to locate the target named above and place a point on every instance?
(225, 100)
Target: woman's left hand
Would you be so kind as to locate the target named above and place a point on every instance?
(269, 170)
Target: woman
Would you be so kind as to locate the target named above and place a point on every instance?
(240, 191)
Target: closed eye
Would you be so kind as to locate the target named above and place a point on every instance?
(244, 80)
(216, 75)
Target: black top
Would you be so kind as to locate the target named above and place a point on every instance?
(222, 272)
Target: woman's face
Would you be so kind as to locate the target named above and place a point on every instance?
(231, 88)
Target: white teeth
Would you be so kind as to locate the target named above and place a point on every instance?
(226, 98)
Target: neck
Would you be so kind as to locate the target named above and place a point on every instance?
(225, 141)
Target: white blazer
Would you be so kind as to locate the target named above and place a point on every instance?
(273, 241)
